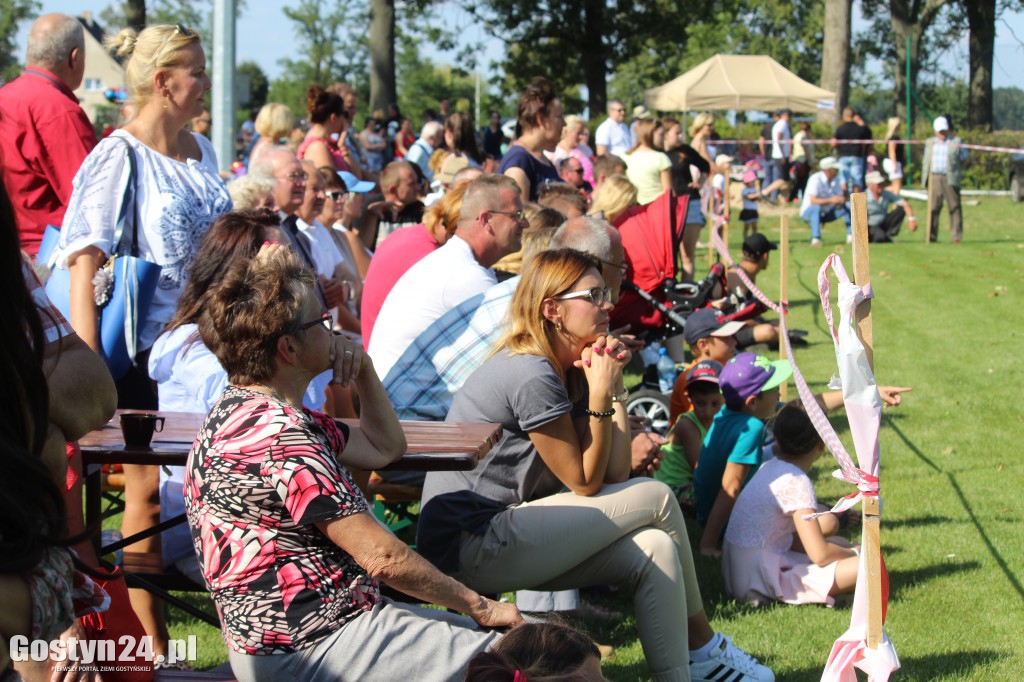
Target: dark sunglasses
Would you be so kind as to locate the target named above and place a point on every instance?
(326, 320)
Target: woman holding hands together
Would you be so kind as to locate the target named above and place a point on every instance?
(554, 382)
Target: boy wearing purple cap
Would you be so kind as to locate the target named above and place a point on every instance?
(732, 449)
(687, 435)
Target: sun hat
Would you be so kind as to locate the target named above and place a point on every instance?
(749, 374)
(829, 163)
(749, 176)
(874, 178)
(723, 159)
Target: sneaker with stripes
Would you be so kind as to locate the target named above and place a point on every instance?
(728, 663)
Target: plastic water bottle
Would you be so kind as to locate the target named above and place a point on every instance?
(666, 371)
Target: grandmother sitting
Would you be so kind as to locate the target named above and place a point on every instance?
(288, 548)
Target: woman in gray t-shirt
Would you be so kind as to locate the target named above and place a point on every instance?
(555, 385)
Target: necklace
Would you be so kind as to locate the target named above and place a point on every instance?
(176, 156)
(272, 391)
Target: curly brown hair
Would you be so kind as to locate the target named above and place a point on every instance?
(259, 301)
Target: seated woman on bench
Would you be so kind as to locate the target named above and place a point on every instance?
(288, 547)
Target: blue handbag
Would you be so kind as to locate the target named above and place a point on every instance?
(135, 281)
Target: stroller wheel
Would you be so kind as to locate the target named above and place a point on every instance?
(652, 406)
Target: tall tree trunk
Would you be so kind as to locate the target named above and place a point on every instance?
(909, 18)
(981, 18)
(383, 90)
(835, 57)
(135, 14)
(595, 57)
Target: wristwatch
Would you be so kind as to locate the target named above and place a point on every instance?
(621, 397)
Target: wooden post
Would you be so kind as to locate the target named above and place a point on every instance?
(783, 290)
(928, 222)
(871, 536)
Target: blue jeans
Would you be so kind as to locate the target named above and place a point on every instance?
(851, 172)
(816, 215)
(774, 170)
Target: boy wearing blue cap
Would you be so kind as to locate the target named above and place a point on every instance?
(732, 449)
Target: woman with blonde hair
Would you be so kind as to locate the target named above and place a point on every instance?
(614, 197)
(171, 182)
(551, 506)
(647, 167)
(274, 123)
(569, 146)
(700, 133)
(896, 155)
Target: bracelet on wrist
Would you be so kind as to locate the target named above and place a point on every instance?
(601, 415)
(621, 397)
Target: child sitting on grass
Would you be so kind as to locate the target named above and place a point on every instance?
(732, 449)
(763, 560)
(687, 435)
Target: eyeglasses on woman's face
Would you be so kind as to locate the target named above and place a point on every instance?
(597, 295)
(326, 320)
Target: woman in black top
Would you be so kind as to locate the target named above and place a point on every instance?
(682, 157)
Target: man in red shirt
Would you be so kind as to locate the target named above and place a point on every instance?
(46, 135)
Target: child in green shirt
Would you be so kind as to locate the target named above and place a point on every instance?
(687, 434)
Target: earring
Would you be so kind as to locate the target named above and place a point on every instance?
(558, 326)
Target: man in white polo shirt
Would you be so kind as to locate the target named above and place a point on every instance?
(613, 136)
(825, 200)
(490, 227)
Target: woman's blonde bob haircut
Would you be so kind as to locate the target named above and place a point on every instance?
(615, 195)
(699, 122)
(143, 54)
(275, 121)
(546, 275)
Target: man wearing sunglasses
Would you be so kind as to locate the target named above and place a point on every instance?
(490, 227)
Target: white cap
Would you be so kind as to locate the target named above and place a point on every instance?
(940, 124)
(829, 163)
(723, 159)
(874, 178)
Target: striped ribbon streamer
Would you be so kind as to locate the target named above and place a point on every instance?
(833, 141)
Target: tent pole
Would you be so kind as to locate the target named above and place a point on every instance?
(871, 536)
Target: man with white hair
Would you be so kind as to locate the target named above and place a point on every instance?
(941, 170)
(431, 137)
(825, 200)
(46, 135)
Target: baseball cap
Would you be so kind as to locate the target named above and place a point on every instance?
(748, 374)
(749, 176)
(723, 159)
(829, 163)
(705, 370)
(757, 244)
(874, 178)
(640, 112)
(707, 322)
(941, 123)
(354, 184)
(451, 165)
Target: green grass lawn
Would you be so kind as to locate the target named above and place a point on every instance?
(947, 321)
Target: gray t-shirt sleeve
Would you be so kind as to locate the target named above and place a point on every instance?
(539, 399)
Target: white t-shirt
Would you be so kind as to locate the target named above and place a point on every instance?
(176, 203)
(615, 136)
(440, 281)
(819, 186)
(780, 131)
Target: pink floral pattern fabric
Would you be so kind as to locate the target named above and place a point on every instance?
(260, 473)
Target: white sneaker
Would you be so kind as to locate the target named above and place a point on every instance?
(849, 239)
(729, 663)
(815, 242)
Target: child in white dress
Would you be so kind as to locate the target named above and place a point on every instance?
(771, 552)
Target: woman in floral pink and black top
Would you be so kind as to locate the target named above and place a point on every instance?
(287, 544)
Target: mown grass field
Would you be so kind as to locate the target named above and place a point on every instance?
(948, 321)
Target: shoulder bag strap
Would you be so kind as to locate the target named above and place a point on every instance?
(128, 217)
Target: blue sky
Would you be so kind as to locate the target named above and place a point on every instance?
(260, 38)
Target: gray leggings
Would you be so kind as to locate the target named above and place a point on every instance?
(630, 532)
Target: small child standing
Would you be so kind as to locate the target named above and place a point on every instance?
(687, 435)
(750, 194)
(759, 563)
(719, 188)
(732, 449)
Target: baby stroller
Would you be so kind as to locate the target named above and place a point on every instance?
(652, 302)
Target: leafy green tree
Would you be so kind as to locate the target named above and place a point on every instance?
(422, 83)
(12, 13)
(1008, 109)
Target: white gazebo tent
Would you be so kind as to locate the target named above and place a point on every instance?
(740, 82)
